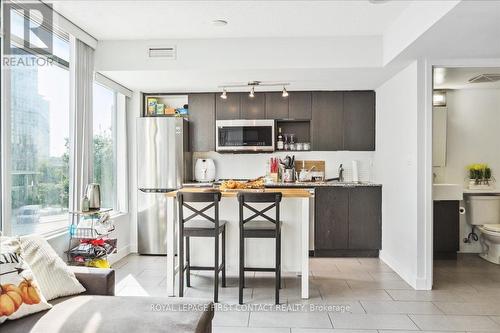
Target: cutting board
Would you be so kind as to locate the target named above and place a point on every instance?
(320, 165)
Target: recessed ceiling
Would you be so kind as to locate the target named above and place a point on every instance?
(107, 20)
(458, 78)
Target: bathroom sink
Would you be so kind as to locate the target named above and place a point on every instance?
(447, 192)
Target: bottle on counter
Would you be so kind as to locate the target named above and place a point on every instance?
(280, 145)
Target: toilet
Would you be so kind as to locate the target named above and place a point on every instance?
(483, 213)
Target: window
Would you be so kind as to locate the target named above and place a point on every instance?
(39, 110)
(110, 143)
(39, 131)
(104, 143)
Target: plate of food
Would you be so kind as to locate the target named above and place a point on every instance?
(233, 185)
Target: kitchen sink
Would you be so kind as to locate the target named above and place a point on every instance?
(441, 192)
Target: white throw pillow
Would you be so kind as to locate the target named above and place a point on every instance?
(19, 291)
(54, 277)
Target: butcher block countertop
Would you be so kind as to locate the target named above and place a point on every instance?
(286, 192)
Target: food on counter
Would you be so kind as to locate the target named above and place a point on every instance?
(257, 183)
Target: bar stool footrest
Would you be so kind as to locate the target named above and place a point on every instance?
(259, 269)
(204, 268)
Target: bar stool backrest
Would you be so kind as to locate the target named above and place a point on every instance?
(255, 197)
(212, 199)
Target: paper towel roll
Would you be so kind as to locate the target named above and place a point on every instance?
(355, 175)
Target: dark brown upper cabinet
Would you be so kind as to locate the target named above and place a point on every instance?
(276, 106)
(228, 108)
(327, 120)
(253, 107)
(202, 121)
(300, 105)
(359, 120)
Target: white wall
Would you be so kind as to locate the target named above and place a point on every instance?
(411, 24)
(472, 137)
(243, 166)
(396, 168)
(240, 54)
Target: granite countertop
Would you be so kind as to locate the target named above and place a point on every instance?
(294, 185)
(492, 191)
(321, 184)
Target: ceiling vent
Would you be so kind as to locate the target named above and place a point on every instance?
(168, 52)
(482, 78)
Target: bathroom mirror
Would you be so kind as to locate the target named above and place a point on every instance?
(439, 119)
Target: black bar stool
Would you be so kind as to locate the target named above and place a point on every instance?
(207, 227)
(267, 228)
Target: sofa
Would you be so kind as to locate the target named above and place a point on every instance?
(99, 311)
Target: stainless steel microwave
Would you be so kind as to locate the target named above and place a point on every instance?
(244, 135)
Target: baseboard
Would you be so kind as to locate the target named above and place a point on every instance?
(394, 264)
(120, 254)
(421, 284)
(346, 253)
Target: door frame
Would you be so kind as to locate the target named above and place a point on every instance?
(425, 163)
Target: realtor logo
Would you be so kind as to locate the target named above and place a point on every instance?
(29, 25)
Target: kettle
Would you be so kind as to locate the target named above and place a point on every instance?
(93, 193)
(204, 170)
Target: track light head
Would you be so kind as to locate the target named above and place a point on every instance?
(224, 94)
(252, 92)
(285, 92)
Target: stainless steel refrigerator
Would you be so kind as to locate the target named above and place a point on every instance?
(163, 164)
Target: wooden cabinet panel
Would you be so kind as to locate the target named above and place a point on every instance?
(253, 107)
(359, 120)
(446, 229)
(202, 122)
(365, 205)
(331, 218)
(300, 105)
(276, 106)
(327, 120)
(228, 108)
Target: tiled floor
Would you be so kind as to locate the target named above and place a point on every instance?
(466, 297)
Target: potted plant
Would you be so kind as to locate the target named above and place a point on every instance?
(480, 176)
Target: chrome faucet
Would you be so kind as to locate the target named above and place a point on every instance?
(341, 173)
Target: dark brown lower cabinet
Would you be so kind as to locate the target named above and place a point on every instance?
(331, 218)
(348, 221)
(446, 229)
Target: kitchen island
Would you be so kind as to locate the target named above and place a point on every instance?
(294, 213)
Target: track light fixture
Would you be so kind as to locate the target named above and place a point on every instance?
(285, 93)
(252, 92)
(252, 85)
(224, 94)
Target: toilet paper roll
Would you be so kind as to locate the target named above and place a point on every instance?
(355, 174)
